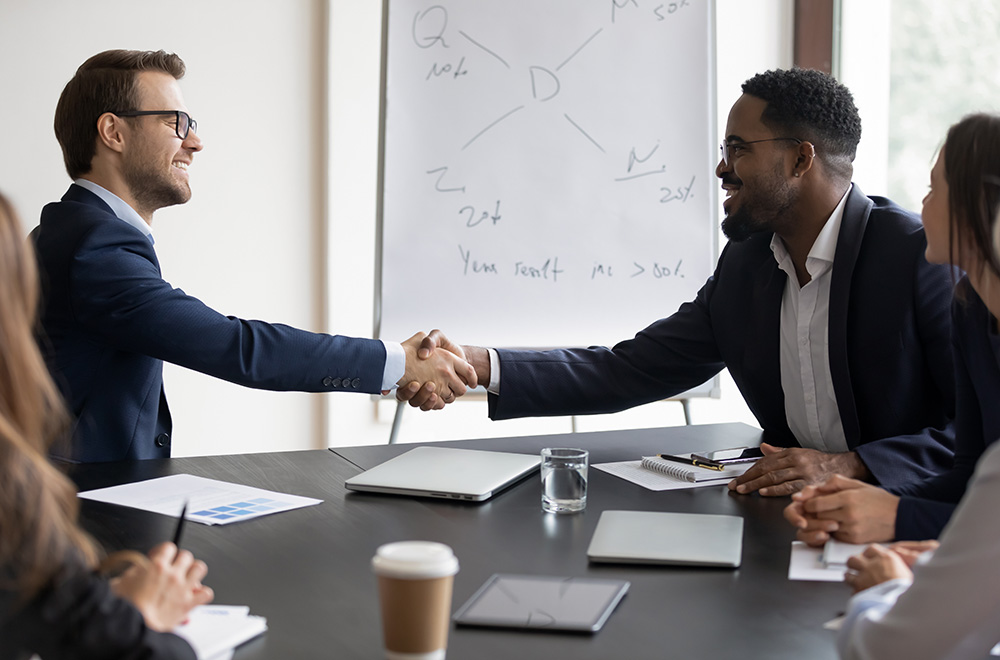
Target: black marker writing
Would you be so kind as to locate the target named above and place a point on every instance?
(660, 272)
(615, 6)
(473, 221)
(682, 193)
(437, 72)
(549, 270)
(437, 184)
(432, 23)
(476, 266)
(600, 269)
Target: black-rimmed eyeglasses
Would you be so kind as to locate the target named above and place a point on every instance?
(727, 147)
(183, 122)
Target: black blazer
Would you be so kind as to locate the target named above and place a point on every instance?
(78, 617)
(925, 507)
(109, 320)
(890, 350)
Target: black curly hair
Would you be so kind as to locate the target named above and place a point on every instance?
(812, 106)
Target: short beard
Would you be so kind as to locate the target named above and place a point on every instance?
(741, 225)
(775, 198)
(153, 190)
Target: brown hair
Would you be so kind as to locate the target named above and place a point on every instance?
(972, 171)
(38, 505)
(104, 83)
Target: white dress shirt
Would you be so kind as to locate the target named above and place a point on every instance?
(395, 358)
(951, 610)
(804, 350)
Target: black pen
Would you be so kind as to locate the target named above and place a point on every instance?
(702, 463)
(180, 527)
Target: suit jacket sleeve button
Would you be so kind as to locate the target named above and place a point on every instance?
(356, 383)
(163, 440)
(327, 382)
(337, 382)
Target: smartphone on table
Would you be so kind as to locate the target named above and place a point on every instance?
(731, 456)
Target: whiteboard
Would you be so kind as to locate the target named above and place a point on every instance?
(547, 168)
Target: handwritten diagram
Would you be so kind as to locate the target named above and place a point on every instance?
(547, 158)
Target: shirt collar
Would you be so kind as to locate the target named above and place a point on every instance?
(824, 248)
(118, 206)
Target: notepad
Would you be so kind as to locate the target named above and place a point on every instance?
(213, 631)
(660, 480)
(689, 473)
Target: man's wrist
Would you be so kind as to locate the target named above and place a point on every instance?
(479, 358)
(855, 468)
(395, 365)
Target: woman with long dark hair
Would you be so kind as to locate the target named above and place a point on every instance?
(945, 602)
(52, 600)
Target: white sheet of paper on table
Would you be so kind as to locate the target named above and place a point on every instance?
(634, 472)
(209, 501)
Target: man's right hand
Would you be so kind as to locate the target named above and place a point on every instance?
(439, 376)
(426, 397)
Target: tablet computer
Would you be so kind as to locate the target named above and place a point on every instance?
(661, 537)
(543, 602)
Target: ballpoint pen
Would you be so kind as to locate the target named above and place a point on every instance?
(180, 527)
(702, 463)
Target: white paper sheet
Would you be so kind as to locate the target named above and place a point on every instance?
(634, 472)
(807, 564)
(209, 501)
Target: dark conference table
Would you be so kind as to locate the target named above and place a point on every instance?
(308, 570)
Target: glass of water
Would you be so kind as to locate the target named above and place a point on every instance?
(564, 480)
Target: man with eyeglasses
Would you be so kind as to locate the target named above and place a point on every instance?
(822, 306)
(108, 317)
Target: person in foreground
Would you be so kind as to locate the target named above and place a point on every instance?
(945, 603)
(822, 307)
(52, 602)
(109, 318)
(957, 216)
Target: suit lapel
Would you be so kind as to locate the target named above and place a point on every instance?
(852, 231)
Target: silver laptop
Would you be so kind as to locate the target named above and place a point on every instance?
(454, 474)
(654, 537)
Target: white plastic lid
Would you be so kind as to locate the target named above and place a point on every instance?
(415, 560)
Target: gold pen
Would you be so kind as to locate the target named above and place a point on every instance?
(702, 463)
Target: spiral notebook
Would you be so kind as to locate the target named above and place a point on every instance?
(690, 473)
(672, 476)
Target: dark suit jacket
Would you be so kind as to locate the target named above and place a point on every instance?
(109, 320)
(926, 506)
(890, 353)
(78, 617)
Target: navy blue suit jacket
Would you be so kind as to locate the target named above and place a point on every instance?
(109, 320)
(889, 345)
(925, 507)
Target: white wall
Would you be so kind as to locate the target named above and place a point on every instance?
(248, 243)
(263, 237)
(864, 68)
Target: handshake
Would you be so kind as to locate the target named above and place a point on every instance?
(439, 371)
